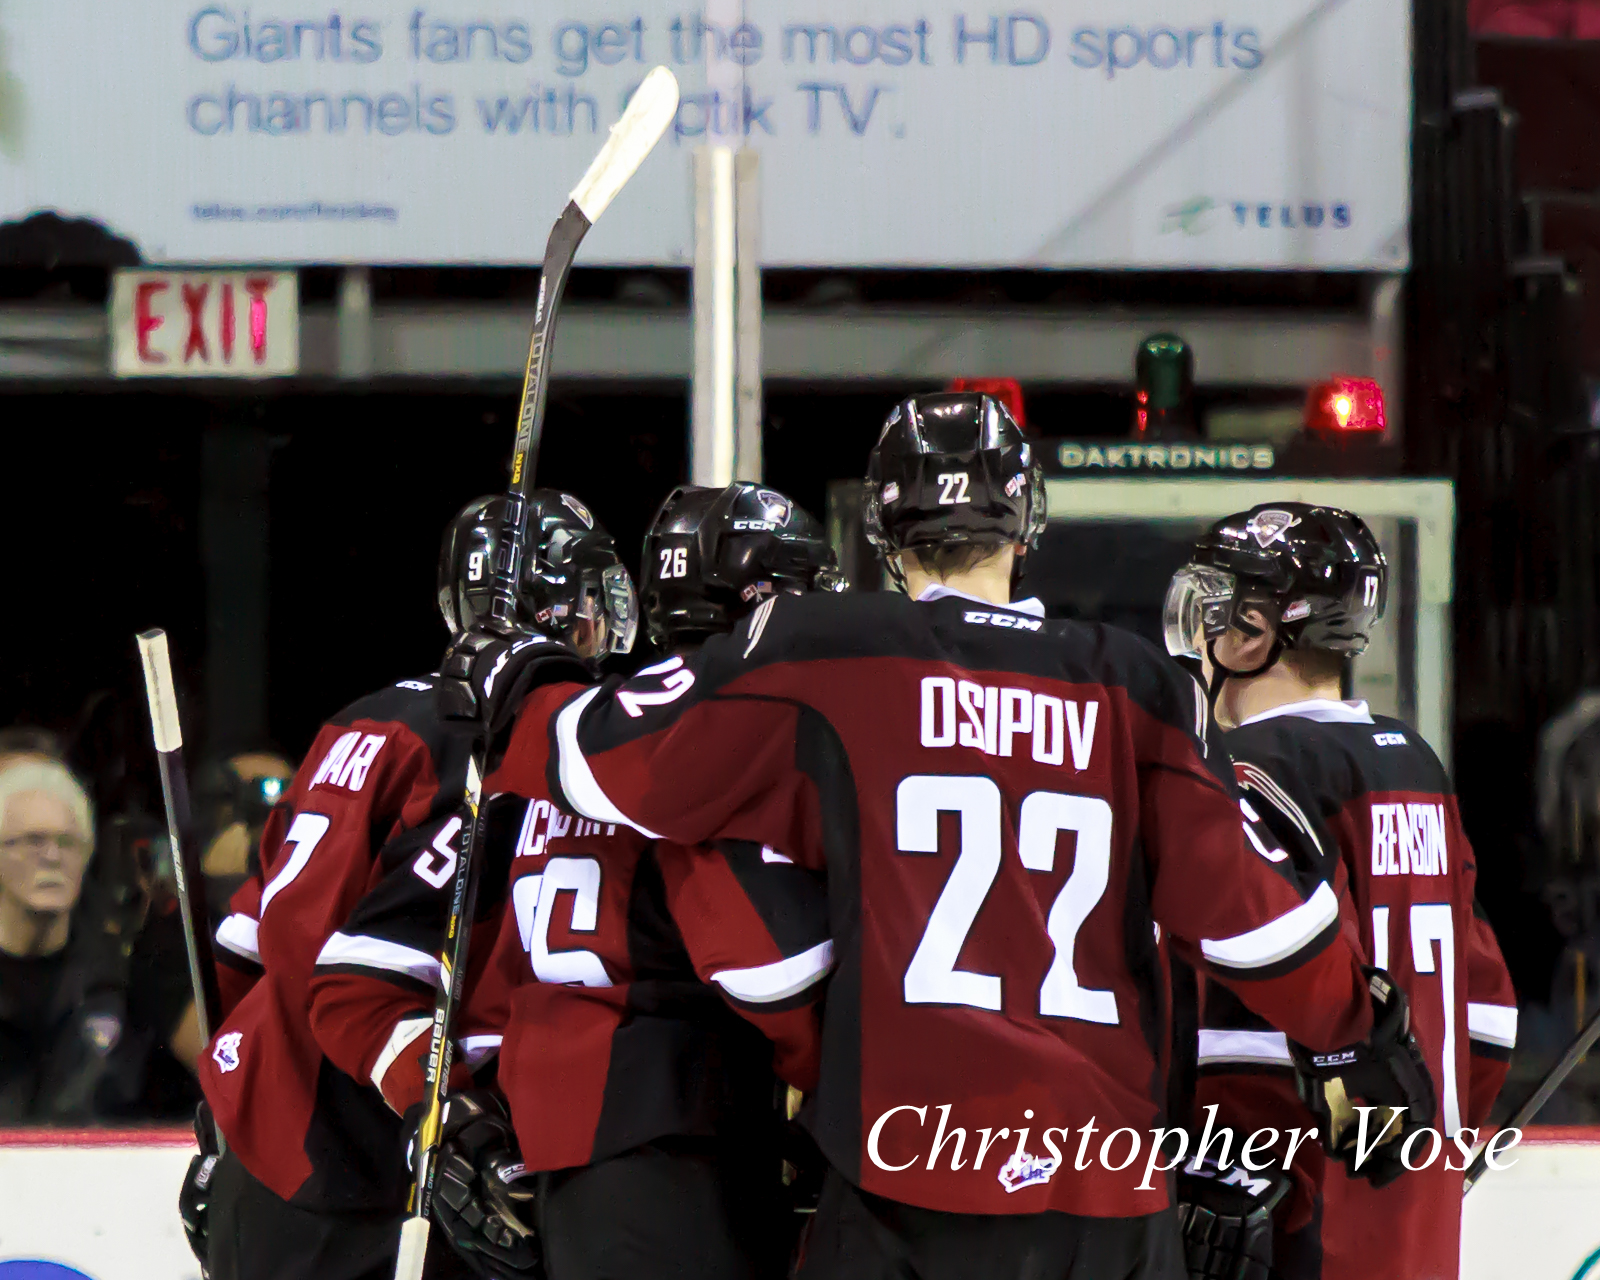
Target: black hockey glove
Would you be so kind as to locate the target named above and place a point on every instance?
(194, 1200)
(1386, 1073)
(1226, 1217)
(482, 1198)
(488, 675)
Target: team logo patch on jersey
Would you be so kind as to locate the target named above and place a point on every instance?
(578, 509)
(1267, 527)
(226, 1054)
(1023, 1170)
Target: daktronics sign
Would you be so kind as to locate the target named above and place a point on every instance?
(205, 324)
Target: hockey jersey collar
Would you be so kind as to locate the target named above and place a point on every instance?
(1032, 606)
(1323, 709)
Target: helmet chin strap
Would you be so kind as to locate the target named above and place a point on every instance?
(1220, 673)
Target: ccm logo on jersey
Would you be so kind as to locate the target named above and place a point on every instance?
(1011, 620)
(1408, 840)
(531, 841)
(991, 718)
(348, 760)
(1389, 739)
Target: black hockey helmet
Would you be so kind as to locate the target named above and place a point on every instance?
(952, 467)
(712, 555)
(570, 569)
(1315, 573)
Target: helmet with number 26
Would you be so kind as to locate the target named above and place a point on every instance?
(571, 583)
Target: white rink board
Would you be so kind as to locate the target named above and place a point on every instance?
(1090, 133)
(111, 1212)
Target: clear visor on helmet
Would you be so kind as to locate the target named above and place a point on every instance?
(1198, 604)
(606, 612)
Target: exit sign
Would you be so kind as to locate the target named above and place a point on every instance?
(205, 324)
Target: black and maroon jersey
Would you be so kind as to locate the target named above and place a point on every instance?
(1003, 807)
(609, 976)
(374, 805)
(1362, 800)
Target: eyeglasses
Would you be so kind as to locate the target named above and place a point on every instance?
(38, 842)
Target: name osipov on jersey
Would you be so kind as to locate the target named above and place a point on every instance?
(1409, 840)
(990, 718)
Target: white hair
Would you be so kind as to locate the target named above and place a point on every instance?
(55, 780)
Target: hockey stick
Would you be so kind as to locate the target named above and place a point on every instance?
(1541, 1095)
(650, 111)
(163, 699)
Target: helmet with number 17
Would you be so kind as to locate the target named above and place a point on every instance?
(571, 583)
(1315, 574)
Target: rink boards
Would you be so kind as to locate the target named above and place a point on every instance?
(104, 1206)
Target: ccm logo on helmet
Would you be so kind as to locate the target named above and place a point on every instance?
(1010, 620)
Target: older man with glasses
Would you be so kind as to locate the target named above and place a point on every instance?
(62, 997)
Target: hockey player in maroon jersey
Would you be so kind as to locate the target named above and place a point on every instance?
(1275, 603)
(314, 1181)
(642, 1102)
(994, 1008)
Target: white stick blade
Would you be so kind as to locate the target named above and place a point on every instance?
(159, 690)
(413, 1249)
(650, 111)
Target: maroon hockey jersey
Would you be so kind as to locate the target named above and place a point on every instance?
(614, 964)
(1003, 807)
(378, 791)
(1362, 800)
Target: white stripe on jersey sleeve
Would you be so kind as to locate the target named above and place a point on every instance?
(476, 1050)
(577, 779)
(239, 935)
(1268, 1048)
(781, 979)
(385, 957)
(1494, 1023)
(1277, 939)
(405, 1033)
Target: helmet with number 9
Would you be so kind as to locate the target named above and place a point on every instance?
(713, 555)
(572, 582)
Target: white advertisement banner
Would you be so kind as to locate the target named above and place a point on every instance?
(1069, 133)
(199, 324)
(99, 1209)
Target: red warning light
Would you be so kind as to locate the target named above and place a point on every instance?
(1345, 407)
(1008, 391)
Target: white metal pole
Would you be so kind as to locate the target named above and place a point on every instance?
(747, 453)
(702, 386)
(722, 311)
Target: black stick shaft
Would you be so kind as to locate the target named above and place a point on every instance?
(565, 238)
(191, 895)
(1541, 1095)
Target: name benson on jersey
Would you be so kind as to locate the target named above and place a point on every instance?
(992, 717)
(1408, 839)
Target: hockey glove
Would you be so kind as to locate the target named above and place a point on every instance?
(483, 1198)
(1226, 1217)
(194, 1200)
(1387, 1073)
(488, 675)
